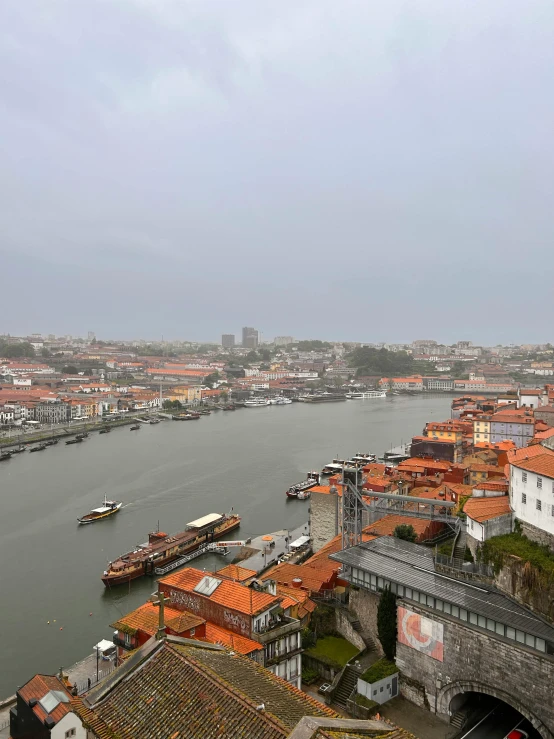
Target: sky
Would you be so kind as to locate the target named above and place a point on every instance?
(353, 170)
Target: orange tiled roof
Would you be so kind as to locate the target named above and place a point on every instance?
(146, 618)
(483, 509)
(236, 572)
(528, 452)
(38, 687)
(386, 525)
(228, 593)
(241, 644)
(541, 464)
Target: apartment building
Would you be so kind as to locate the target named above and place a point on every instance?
(532, 493)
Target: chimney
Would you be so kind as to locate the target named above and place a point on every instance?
(296, 582)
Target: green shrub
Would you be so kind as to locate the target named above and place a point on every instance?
(539, 556)
(361, 700)
(380, 669)
(406, 532)
(309, 676)
(333, 651)
(308, 638)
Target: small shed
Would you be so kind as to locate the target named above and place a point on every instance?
(379, 682)
(105, 649)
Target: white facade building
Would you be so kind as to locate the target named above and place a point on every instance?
(532, 495)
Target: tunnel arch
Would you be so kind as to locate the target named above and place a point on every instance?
(451, 690)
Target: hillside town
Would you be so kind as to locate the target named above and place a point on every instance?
(440, 548)
(56, 380)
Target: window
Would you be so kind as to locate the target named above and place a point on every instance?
(70, 732)
(523, 498)
(524, 477)
(539, 505)
(539, 482)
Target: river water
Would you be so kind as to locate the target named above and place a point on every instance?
(171, 473)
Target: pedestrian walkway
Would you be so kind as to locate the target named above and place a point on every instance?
(267, 554)
(419, 722)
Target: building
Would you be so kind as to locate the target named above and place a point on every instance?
(52, 412)
(532, 493)
(487, 517)
(228, 341)
(43, 710)
(283, 340)
(531, 398)
(519, 427)
(254, 611)
(250, 337)
(443, 384)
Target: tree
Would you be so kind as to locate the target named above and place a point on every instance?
(21, 349)
(252, 356)
(70, 369)
(266, 355)
(406, 532)
(386, 623)
(45, 352)
(172, 405)
(210, 380)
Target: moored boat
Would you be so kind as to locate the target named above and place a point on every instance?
(4, 456)
(229, 408)
(256, 402)
(76, 440)
(105, 430)
(108, 508)
(160, 549)
(366, 394)
(295, 490)
(135, 427)
(39, 448)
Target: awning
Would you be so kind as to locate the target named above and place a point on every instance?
(300, 542)
(104, 645)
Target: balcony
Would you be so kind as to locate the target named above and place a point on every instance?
(276, 630)
(128, 645)
(282, 656)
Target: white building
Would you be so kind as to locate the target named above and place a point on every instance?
(532, 495)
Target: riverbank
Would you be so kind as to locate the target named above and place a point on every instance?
(169, 473)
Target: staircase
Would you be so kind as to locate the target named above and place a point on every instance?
(366, 636)
(347, 683)
(459, 551)
(458, 720)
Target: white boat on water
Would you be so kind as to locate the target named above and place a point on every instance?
(256, 402)
(366, 394)
(280, 400)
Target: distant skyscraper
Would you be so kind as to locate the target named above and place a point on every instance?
(283, 340)
(91, 336)
(249, 337)
(228, 341)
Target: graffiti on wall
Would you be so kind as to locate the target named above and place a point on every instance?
(235, 621)
(189, 602)
(423, 634)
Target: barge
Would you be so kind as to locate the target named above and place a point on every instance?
(299, 490)
(161, 549)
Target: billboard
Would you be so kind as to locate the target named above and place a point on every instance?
(421, 633)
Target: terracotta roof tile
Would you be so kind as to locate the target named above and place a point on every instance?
(146, 619)
(386, 525)
(241, 644)
(541, 464)
(185, 692)
(228, 593)
(483, 509)
(37, 688)
(236, 572)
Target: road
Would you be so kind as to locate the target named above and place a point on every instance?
(496, 724)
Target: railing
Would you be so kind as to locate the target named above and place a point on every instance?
(467, 570)
(5, 725)
(83, 687)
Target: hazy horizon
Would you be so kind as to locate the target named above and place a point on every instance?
(365, 171)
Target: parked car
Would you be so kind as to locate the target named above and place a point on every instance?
(517, 734)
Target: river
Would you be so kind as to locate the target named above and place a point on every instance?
(171, 473)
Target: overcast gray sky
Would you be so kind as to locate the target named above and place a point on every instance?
(344, 169)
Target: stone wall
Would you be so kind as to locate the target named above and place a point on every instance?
(477, 662)
(517, 579)
(536, 534)
(364, 605)
(324, 518)
(345, 628)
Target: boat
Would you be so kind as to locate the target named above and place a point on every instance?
(360, 458)
(366, 394)
(134, 427)
(52, 442)
(108, 508)
(333, 468)
(324, 398)
(105, 430)
(229, 408)
(82, 436)
(311, 481)
(256, 402)
(4, 456)
(280, 400)
(304, 495)
(155, 420)
(160, 549)
(76, 440)
(18, 450)
(187, 417)
(39, 448)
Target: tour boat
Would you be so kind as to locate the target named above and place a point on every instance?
(295, 490)
(161, 549)
(366, 394)
(108, 508)
(256, 402)
(280, 400)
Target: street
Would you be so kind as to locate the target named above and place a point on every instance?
(498, 722)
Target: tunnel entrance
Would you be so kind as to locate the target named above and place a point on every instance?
(482, 716)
